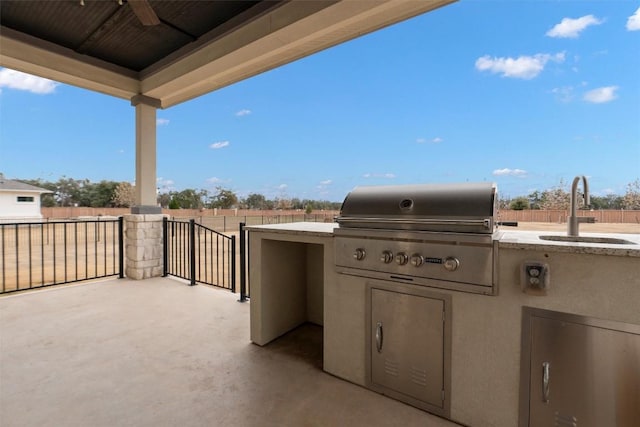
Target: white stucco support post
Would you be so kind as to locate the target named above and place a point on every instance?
(146, 197)
(143, 228)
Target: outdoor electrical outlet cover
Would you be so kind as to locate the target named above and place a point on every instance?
(535, 277)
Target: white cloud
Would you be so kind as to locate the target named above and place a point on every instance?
(164, 185)
(633, 23)
(564, 93)
(510, 172)
(243, 112)
(435, 140)
(162, 122)
(20, 81)
(326, 182)
(379, 175)
(567, 93)
(571, 28)
(219, 144)
(282, 186)
(601, 94)
(522, 67)
(214, 180)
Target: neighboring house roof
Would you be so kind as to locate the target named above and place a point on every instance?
(10, 185)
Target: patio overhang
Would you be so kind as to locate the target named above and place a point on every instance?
(238, 44)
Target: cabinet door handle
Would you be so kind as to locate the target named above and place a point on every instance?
(545, 382)
(379, 337)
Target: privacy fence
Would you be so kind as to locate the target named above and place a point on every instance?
(224, 220)
(560, 216)
(221, 220)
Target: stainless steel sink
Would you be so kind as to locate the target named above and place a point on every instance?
(584, 239)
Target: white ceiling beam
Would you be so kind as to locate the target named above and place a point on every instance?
(275, 39)
(34, 56)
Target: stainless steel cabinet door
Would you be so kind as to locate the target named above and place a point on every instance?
(583, 375)
(407, 351)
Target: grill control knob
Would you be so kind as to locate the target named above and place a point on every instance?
(451, 263)
(359, 254)
(386, 257)
(416, 260)
(401, 258)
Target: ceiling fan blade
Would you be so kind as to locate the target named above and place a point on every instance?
(144, 12)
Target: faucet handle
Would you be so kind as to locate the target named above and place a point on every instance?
(586, 201)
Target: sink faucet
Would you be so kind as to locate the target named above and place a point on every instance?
(573, 221)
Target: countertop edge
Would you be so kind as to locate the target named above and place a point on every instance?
(575, 248)
(530, 240)
(318, 229)
(516, 239)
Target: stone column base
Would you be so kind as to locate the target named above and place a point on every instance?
(143, 240)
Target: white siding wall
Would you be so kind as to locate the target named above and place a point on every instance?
(11, 209)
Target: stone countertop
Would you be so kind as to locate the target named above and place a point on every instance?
(508, 239)
(531, 240)
(322, 229)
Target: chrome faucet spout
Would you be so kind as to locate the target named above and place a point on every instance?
(573, 221)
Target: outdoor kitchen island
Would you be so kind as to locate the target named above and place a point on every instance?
(293, 279)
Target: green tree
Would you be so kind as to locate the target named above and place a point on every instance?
(610, 201)
(224, 199)
(519, 203)
(536, 200)
(100, 195)
(297, 203)
(71, 192)
(189, 198)
(255, 201)
(174, 204)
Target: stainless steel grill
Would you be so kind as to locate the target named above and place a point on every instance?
(437, 235)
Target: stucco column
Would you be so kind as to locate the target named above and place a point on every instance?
(145, 190)
(143, 238)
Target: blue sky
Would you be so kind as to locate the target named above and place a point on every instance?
(524, 94)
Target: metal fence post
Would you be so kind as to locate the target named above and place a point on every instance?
(243, 266)
(233, 264)
(192, 251)
(120, 246)
(165, 247)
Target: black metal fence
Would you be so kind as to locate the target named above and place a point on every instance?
(39, 254)
(245, 292)
(199, 254)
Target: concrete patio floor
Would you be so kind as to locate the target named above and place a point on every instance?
(160, 353)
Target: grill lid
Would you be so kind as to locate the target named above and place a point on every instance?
(463, 207)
